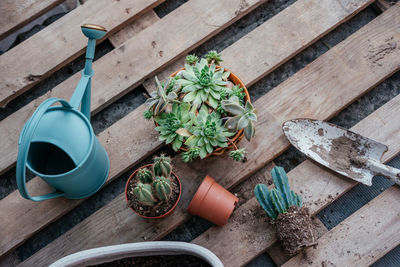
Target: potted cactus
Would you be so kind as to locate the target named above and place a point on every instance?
(286, 211)
(202, 110)
(153, 191)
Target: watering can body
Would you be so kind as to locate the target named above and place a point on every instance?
(58, 143)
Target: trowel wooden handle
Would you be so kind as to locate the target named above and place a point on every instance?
(391, 173)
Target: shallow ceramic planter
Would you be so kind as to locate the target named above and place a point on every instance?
(213, 202)
(157, 217)
(117, 252)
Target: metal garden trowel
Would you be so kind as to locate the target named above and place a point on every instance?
(340, 150)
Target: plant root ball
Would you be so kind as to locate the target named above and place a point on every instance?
(295, 230)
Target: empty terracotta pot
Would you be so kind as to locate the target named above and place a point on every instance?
(213, 202)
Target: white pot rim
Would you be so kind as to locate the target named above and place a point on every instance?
(151, 248)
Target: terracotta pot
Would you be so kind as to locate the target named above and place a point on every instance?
(213, 202)
(239, 135)
(157, 217)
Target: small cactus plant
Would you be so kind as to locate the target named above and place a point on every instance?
(162, 187)
(284, 207)
(279, 199)
(154, 186)
(162, 166)
(144, 194)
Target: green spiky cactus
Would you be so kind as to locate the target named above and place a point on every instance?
(279, 199)
(162, 166)
(162, 187)
(145, 176)
(144, 194)
(152, 188)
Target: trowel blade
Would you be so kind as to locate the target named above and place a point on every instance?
(336, 148)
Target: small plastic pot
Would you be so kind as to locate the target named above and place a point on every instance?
(213, 202)
(157, 217)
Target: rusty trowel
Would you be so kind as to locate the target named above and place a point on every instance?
(340, 150)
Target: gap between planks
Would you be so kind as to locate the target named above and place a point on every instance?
(317, 186)
(27, 64)
(18, 13)
(361, 239)
(323, 101)
(124, 68)
(144, 143)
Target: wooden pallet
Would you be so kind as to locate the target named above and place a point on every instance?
(143, 49)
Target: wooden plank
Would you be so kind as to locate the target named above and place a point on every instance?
(317, 186)
(268, 143)
(27, 64)
(126, 67)
(10, 259)
(361, 239)
(133, 28)
(124, 152)
(381, 5)
(15, 14)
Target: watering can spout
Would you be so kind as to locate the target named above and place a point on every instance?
(82, 94)
(58, 143)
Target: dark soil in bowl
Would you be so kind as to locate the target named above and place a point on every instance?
(159, 209)
(156, 261)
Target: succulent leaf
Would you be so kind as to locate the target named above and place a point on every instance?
(277, 201)
(263, 197)
(282, 184)
(238, 154)
(192, 59)
(213, 57)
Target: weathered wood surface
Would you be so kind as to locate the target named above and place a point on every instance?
(15, 14)
(123, 153)
(361, 239)
(283, 36)
(28, 63)
(126, 67)
(268, 143)
(133, 28)
(10, 259)
(317, 186)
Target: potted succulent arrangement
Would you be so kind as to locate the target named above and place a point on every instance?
(202, 110)
(286, 211)
(153, 191)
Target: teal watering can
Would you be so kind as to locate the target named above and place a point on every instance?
(58, 143)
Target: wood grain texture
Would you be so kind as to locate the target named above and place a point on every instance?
(15, 14)
(125, 146)
(10, 259)
(127, 66)
(317, 186)
(267, 144)
(28, 63)
(133, 28)
(283, 36)
(361, 239)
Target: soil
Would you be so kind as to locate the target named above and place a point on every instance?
(295, 230)
(155, 261)
(159, 209)
(345, 153)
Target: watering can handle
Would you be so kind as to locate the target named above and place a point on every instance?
(23, 149)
